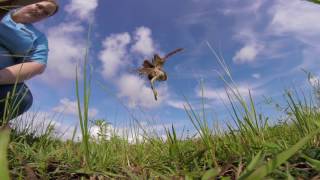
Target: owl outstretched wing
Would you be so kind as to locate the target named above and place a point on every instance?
(172, 53)
(158, 61)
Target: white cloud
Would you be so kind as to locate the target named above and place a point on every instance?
(115, 60)
(220, 94)
(137, 93)
(67, 106)
(136, 133)
(253, 46)
(176, 104)
(252, 6)
(296, 17)
(248, 53)
(83, 9)
(310, 58)
(107, 132)
(67, 41)
(65, 51)
(314, 81)
(215, 94)
(37, 123)
(144, 44)
(114, 55)
(256, 75)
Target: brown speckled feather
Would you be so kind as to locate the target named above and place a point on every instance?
(158, 61)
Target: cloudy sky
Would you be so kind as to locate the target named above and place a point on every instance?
(266, 44)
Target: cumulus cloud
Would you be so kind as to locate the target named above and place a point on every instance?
(67, 41)
(134, 89)
(252, 47)
(115, 61)
(65, 52)
(288, 21)
(67, 106)
(82, 9)
(144, 44)
(296, 17)
(114, 54)
(248, 53)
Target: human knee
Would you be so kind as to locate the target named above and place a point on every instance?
(22, 103)
(25, 99)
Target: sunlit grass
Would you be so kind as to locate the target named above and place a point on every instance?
(236, 153)
(4, 141)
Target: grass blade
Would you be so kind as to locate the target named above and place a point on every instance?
(210, 174)
(313, 162)
(271, 165)
(4, 141)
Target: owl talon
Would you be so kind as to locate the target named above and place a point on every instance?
(155, 93)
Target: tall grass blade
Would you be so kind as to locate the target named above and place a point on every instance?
(4, 141)
(83, 113)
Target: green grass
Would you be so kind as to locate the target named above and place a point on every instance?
(249, 153)
(156, 158)
(250, 148)
(4, 141)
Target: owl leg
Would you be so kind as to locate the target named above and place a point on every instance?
(155, 93)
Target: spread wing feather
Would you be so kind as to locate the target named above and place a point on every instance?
(172, 53)
(147, 64)
(158, 61)
(145, 71)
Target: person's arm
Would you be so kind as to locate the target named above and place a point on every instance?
(20, 72)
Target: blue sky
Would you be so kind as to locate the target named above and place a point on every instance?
(265, 44)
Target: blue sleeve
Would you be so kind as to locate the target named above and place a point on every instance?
(40, 51)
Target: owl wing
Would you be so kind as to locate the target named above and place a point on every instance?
(172, 53)
(158, 61)
(147, 64)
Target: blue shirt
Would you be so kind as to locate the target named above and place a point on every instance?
(23, 40)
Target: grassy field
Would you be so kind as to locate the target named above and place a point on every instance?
(251, 148)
